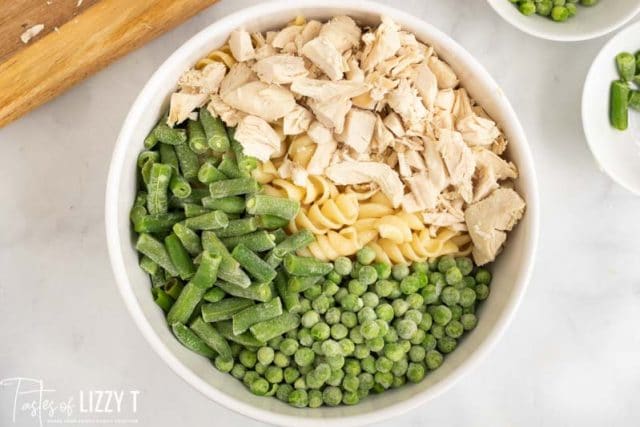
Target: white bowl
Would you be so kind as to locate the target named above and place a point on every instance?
(589, 23)
(511, 272)
(617, 152)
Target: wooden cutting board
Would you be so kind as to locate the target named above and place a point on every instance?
(79, 38)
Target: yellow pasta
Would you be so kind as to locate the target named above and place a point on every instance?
(220, 55)
(301, 149)
(394, 228)
(366, 230)
(334, 244)
(317, 190)
(420, 248)
(265, 173)
(333, 214)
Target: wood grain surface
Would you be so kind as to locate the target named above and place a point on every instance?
(77, 41)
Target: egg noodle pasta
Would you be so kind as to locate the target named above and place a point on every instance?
(222, 54)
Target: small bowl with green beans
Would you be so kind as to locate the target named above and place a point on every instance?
(167, 325)
(566, 20)
(611, 108)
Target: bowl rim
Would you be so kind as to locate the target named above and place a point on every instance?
(117, 257)
(588, 133)
(560, 37)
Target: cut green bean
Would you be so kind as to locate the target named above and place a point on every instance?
(173, 287)
(169, 135)
(224, 309)
(634, 100)
(619, 107)
(208, 173)
(226, 330)
(179, 256)
(229, 270)
(280, 235)
(215, 132)
(214, 294)
(189, 238)
(253, 264)
(161, 298)
(157, 223)
(148, 156)
(229, 205)
(273, 260)
(626, 64)
(150, 140)
(191, 210)
(196, 196)
(155, 250)
(137, 213)
(196, 137)
(262, 204)
(258, 313)
(258, 241)
(238, 227)
(233, 187)
(188, 161)
(294, 242)
(264, 331)
(212, 338)
(149, 265)
(258, 291)
(169, 157)
(305, 266)
(302, 283)
(207, 272)
(190, 340)
(158, 198)
(209, 221)
(179, 186)
(229, 167)
(271, 222)
(186, 303)
(245, 163)
(290, 300)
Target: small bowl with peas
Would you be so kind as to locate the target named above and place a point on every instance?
(566, 20)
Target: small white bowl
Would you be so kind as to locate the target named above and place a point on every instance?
(511, 271)
(589, 23)
(617, 152)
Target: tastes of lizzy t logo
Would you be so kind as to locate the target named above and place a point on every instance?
(32, 403)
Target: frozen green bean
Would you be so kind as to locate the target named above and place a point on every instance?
(169, 135)
(634, 100)
(253, 264)
(190, 340)
(229, 167)
(196, 137)
(157, 194)
(149, 265)
(188, 161)
(290, 300)
(186, 303)
(224, 309)
(173, 287)
(626, 64)
(157, 223)
(179, 186)
(179, 256)
(148, 156)
(258, 291)
(155, 250)
(245, 163)
(189, 238)
(207, 272)
(302, 283)
(150, 140)
(229, 205)
(305, 266)
(229, 270)
(262, 204)
(161, 298)
(196, 196)
(192, 210)
(294, 242)
(238, 227)
(212, 338)
(209, 221)
(242, 320)
(215, 132)
(271, 222)
(233, 187)
(264, 331)
(208, 173)
(214, 294)
(619, 105)
(226, 330)
(258, 241)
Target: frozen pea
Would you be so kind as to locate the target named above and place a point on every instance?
(332, 396)
(433, 359)
(429, 342)
(414, 315)
(274, 374)
(332, 316)
(400, 271)
(400, 307)
(259, 386)
(288, 346)
(441, 314)
(415, 372)
(415, 301)
(447, 344)
(298, 398)
(417, 353)
(467, 297)
(349, 319)
(469, 321)
(342, 266)
(367, 276)
(482, 292)
(339, 331)
(446, 263)
(320, 331)
(366, 255)
(454, 329)
(383, 270)
(383, 288)
(357, 287)
(370, 299)
(265, 355)
(406, 328)
(450, 295)
(290, 374)
(309, 319)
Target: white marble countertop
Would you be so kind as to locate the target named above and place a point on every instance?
(571, 356)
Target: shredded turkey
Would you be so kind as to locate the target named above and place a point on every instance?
(258, 139)
(325, 56)
(280, 69)
(269, 102)
(240, 45)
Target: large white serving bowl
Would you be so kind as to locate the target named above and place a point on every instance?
(511, 271)
(589, 23)
(617, 152)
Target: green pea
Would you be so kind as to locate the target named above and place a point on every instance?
(288, 346)
(357, 286)
(291, 374)
(347, 345)
(400, 271)
(298, 398)
(385, 379)
(453, 276)
(410, 285)
(314, 398)
(332, 316)
(446, 263)
(433, 359)
(454, 329)
(527, 8)
(283, 392)
(483, 276)
(223, 364)
(383, 364)
(274, 374)
(265, 355)
(441, 314)
(370, 299)
(334, 277)
(415, 301)
(248, 358)
(320, 331)
(447, 344)
(332, 396)
(309, 319)
(400, 307)
(415, 372)
(383, 288)
(383, 270)
(259, 386)
(469, 321)
(304, 356)
(450, 295)
(366, 255)
(406, 328)
(348, 319)
(482, 292)
(429, 342)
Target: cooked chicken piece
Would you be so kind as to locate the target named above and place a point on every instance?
(325, 90)
(238, 75)
(264, 52)
(280, 69)
(325, 56)
(403, 163)
(385, 44)
(310, 31)
(365, 101)
(206, 80)
(286, 35)
(427, 186)
(485, 182)
(462, 105)
(354, 72)
(447, 79)
(342, 32)
(269, 102)
(441, 219)
(490, 160)
(358, 129)
(427, 85)
(410, 204)
(415, 160)
(325, 147)
(394, 123)
(445, 100)
(331, 113)
(382, 136)
(241, 45)
(296, 121)
(459, 161)
(350, 173)
(182, 104)
(257, 138)
(405, 58)
(499, 145)
(443, 120)
(405, 101)
(217, 108)
(476, 130)
(488, 221)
